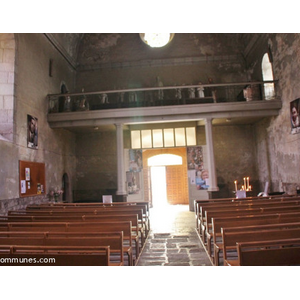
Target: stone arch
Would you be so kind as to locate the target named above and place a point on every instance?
(7, 82)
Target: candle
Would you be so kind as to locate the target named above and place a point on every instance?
(248, 183)
(242, 188)
(235, 185)
(245, 182)
(250, 187)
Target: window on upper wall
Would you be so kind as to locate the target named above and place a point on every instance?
(163, 138)
(267, 73)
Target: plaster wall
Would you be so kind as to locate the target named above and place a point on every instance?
(56, 148)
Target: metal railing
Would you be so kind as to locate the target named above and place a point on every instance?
(162, 96)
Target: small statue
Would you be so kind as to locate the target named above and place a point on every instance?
(191, 93)
(67, 104)
(83, 104)
(132, 97)
(200, 91)
(159, 83)
(121, 97)
(178, 94)
(104, 98)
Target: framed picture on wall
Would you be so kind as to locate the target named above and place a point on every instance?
(295, 117)
(32, 132)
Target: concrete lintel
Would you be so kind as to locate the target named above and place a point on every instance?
(165, 113)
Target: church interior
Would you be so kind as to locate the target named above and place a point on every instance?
(108, 122)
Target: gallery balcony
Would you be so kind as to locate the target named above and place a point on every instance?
(170, 103)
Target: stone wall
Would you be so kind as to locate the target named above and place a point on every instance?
(7, 67)
(96, 171)
(20, 203)
(56, 148)
(235, 156)
(96, 167)
(278, 156)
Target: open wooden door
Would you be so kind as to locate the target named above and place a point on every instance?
(177, 185)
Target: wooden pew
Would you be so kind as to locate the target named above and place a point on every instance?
(113, 240)
(209, 214)
(228, 201)
(143, 228)
(82, 227)
(258, 221)
(137, 231)
(144, 205)
(230, 240)
(134, 216)
(12, 255)
(269, 253)
(239, 205)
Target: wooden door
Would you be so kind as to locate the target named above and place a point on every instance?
(177, 188)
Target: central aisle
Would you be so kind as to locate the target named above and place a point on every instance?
(173, 240)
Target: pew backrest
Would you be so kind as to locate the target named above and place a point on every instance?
(269, 253)
(230, 239)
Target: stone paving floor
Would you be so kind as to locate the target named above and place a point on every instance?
(173, 239)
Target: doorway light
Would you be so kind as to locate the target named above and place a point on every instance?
(164, 160)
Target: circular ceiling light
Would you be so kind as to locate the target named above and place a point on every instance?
(156, 40)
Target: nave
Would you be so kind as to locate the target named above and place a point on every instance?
(173, 239)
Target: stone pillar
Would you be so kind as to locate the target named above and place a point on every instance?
(121, 194)
(211, 158)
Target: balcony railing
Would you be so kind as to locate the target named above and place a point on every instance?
(162, 96)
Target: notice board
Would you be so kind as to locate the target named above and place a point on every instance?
(32, 178)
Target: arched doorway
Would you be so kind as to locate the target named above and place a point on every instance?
(165, 176)
(66, 196)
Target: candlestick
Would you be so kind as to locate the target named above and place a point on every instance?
(235, 185)
(248, 182)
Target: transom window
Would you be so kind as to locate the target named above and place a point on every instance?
(163, 138)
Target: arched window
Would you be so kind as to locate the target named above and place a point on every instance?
(267, 73)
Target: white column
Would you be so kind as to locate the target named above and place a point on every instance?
(120, 161)
(211, 157)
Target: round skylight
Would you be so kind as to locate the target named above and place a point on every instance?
(156, 40)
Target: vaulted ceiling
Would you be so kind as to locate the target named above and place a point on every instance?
(85, 50)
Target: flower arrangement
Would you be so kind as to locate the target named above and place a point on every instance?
(55, 193)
